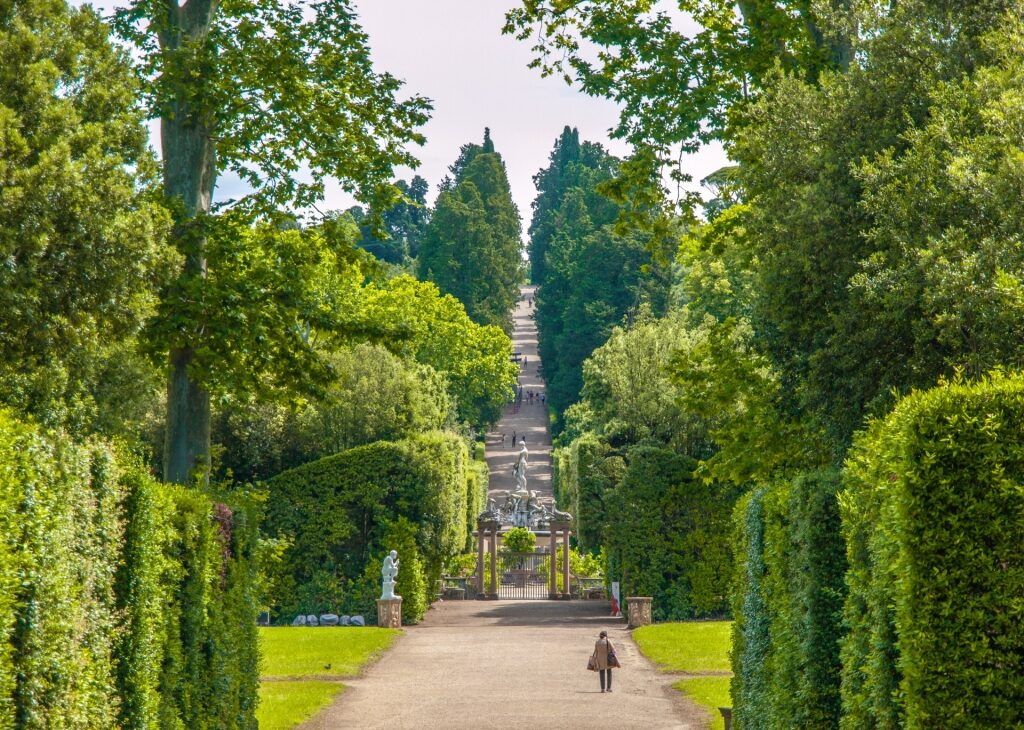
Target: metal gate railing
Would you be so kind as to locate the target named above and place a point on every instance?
(523, 575)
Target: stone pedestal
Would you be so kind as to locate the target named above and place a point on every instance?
(389, 613)
(638, 611)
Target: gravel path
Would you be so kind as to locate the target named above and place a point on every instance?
(509, 664)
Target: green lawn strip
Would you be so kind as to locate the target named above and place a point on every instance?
(283, 705)
(708, 692)
(689, 646)
(323, 651)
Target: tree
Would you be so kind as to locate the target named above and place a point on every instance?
(401, 226)
(258, 87)
(81, 233)
(472, 247)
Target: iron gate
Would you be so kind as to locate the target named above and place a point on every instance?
(523, 575)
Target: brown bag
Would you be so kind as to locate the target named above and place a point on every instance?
(592, 663)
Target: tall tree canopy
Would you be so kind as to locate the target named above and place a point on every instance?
(472, 248)
(589, 274)
(261, 88)
(81, 232)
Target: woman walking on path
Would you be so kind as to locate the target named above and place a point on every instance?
(604, 659)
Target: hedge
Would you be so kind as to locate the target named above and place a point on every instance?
(123, 603)
(933, 514)
(787, 602)
(336, 512)
(584, 474)
(668, 535)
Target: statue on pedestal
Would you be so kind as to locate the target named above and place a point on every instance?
(519, 470)
(389, 573)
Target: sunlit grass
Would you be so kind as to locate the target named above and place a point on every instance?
(283, 705)
(323, 651)
(690, 646)
(709, 692)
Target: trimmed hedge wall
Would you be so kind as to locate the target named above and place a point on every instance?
(123, 603)
(337, 513)
(787, 603)
(584, 474)
(933, 514)
(668, 535)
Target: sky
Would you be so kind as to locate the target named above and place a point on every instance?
(453, 52)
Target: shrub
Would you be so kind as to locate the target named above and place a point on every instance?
(336, 512)
(788, 605)
(135, 602)
(933, 513)
(519, 540)
(668, 535)
(585, 473)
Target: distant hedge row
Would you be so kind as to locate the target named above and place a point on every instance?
(665, 533)
(123, 602)
(343, 513)
(923, 534)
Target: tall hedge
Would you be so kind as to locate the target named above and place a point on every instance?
(585, 473)
(133, 602)
(933, 514)
(787, 605)
(668, 535)
(336, 512)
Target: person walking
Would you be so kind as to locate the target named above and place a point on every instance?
(604, 659)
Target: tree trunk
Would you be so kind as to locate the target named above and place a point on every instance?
(189, 166)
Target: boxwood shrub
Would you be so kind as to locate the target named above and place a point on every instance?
(933, 513)
(668, 535)
(123, 602)
(337, 511)
(788, 605)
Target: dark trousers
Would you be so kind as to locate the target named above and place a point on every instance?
(607, 671)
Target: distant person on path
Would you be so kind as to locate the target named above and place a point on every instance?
(604, 659)
(513, 438)
(502, 440)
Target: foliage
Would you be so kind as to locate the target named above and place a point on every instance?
(666, 535)
(82, 236)
(788, 605)
(434, 330)
(589, 275)
(584, 475)
(689, 646)
(932, 518)
(471, 248)
(136, 602)
(519, 540)
(461, 566)
(402, 225)
(340, 511)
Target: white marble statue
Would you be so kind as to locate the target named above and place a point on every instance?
(519, 470)
(389, 573)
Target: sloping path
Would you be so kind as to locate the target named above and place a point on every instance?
(523, 419)
(509, 664)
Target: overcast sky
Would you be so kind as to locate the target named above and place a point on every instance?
(453, 52)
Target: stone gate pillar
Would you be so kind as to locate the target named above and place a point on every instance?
(553, 569)
(567, 593)
(479, 559)
(556, 528)
(493, 595)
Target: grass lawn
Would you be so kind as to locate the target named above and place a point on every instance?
(709, 692)
(323, 651)
(302, 653)
(691, 646)
(283, 705)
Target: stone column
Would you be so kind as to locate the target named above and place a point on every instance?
(565, 564)
(494, 562)
(553, 579)
(638, 611)
(389, 613)
(479, 559)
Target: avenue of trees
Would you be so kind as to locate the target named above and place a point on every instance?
(864, 248)
(163, 355)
